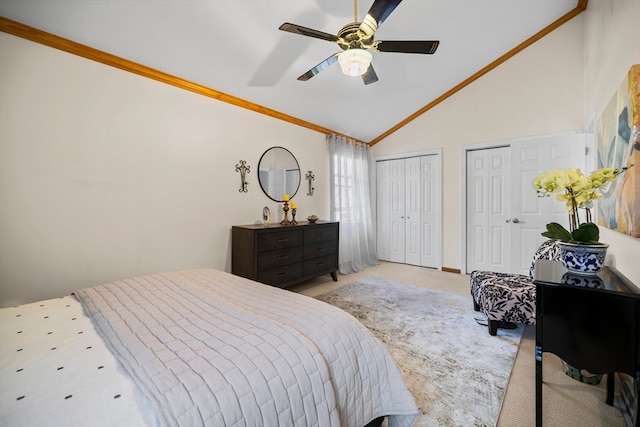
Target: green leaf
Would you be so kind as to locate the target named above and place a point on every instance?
(557, 232)
(586, 233)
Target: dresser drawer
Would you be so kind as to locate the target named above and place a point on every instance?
(271, 259)
(316, 250)
(281, 240)
(320, 265)
(320, 233)
(280, 275)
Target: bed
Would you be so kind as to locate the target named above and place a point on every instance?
(192, 348)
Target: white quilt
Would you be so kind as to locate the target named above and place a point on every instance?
(56, 371)
(210, 348)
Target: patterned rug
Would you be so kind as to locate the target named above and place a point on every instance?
(455, 370)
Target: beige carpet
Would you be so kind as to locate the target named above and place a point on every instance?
(567, 402)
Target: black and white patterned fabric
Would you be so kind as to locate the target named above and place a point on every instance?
(510, 297)
(549, 249)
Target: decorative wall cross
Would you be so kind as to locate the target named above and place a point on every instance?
(310, 177)
(243, 169)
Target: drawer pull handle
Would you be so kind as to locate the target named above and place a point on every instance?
(320, 250)
(284, 273)
(283, 256)
(318, 264)
(283, 240)
(320, 235)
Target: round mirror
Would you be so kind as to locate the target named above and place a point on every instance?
(278, 173)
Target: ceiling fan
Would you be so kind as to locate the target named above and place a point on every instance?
(356, 39)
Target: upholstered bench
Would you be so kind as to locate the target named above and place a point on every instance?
(505, 297)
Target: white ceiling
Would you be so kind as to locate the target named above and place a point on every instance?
(235, 47)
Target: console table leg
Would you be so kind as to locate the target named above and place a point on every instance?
(538, 386)
(610, 386)
(636, 409)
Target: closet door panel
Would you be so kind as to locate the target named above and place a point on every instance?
(397, 210)
(430, 202)
(529, 158)
(412, 211)
(383, 213)
(488, 191)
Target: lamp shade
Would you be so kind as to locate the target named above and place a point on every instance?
(354, 62)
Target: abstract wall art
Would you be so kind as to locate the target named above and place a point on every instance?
(618, 145)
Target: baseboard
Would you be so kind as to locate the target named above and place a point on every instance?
(451, 270)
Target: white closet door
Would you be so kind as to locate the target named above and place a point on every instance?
(488, 210)
(397, 210)
(383, 213)
(504, 215)
(413, 235)
(430, 199)
(408, 208)
(530, 213)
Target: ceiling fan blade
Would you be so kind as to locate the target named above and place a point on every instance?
(370, 75)
(379, 11)
(410, 46)
(309, 32)
(321, 66)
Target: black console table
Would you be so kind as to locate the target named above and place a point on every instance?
(591, 322)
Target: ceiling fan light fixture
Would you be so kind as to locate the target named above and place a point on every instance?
(355, 62)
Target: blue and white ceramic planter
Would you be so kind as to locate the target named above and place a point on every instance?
(583, 259)
(582, 281)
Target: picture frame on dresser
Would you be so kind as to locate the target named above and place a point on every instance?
(266, 215)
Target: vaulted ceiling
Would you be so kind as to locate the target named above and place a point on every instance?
(233, 50)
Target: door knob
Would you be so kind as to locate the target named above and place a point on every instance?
(515, 220)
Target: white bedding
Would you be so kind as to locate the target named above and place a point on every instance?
(204, 348)
(56, 371)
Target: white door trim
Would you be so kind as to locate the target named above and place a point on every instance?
(435, 151)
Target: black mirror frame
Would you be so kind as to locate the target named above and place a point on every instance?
(299, 174)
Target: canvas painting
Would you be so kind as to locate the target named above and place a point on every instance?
(618, 145)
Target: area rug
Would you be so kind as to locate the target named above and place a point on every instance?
(456, 371)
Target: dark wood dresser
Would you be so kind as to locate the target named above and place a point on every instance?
(283, 255)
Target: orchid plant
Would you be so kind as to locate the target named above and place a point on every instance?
(577, 191)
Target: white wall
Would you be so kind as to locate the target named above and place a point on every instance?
(537, 92)
(612, 46)
(106, 175)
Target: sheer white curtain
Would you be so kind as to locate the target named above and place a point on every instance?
(350, 168)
